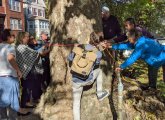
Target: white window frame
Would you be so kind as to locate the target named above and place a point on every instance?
(35, 10)
(29, 10)
(15, 5)
(15, 24)
(41, 25)
(31, 23)
(34, 1)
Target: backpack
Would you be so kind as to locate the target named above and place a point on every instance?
(83, 62)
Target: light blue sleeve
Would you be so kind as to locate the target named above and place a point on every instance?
(123, 46)
(71, 56)
(139, 50)
(11, 50)
(99, 56)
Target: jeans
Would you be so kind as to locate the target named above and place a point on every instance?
(9, 93)
(78, 89)
(152, 76)
(163, 73)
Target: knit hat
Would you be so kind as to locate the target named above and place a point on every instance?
(105, 9)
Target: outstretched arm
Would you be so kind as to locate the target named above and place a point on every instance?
(139, 50)
(123, 46)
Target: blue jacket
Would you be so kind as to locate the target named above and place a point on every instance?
(99, 56)
(145, 48)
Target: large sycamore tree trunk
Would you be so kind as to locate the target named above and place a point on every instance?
(74, 19)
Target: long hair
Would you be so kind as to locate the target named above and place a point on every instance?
(20, 37)
(5, 34)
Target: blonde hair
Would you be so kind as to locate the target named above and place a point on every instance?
(20, 37)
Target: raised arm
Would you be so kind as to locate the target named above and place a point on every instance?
(139, 50)
(71, 56)
(123, 46)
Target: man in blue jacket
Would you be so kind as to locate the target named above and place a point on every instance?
(145, 48)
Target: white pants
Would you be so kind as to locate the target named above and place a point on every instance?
(77, 92)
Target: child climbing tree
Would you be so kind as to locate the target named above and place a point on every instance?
(72, 21)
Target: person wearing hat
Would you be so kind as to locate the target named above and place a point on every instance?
(111, 27)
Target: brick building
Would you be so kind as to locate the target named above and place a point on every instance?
(12, 15)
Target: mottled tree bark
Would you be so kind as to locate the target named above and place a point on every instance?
(74, 19)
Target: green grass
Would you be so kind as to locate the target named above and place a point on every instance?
(141, 75)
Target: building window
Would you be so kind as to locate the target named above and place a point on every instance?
(31, 25)
(35, 1)
(43, 25)
(29, 10)
(15, 24)
(43, 13)
(34, 10)
(0, 2)
(47, 25)
(39, 12)
(40, 24)
(15, 5)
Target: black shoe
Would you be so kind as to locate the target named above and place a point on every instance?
(23, 114)
(148, 88)
(144, 87)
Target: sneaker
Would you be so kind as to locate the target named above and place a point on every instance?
(104, 95)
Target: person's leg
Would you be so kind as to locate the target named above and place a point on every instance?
(12, 114)
(25, 97)
(36, 91)
(97, 74)
(46, 74)
(163, 67)
(77, 92)
(14, 96)
(152, 76)
(3, 113)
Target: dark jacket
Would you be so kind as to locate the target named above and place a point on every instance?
(111, 27)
